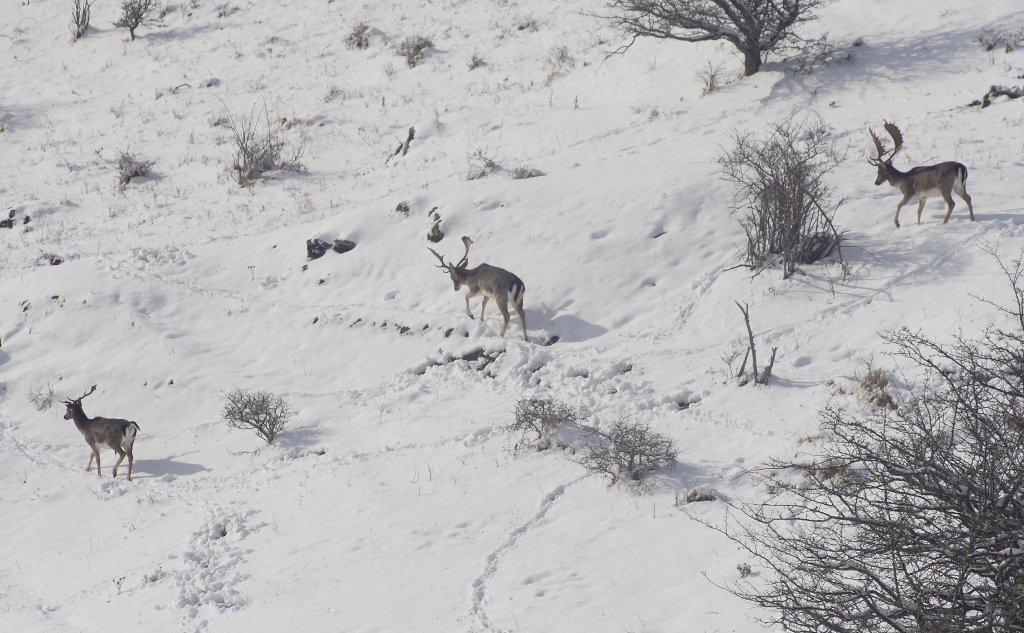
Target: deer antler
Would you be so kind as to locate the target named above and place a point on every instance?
(441, 259)
(879, 150)
(465, 256)
(897, 137)
(81, 397)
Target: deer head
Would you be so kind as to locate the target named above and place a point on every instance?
(457, 272)
(883, 158)
(75, 405)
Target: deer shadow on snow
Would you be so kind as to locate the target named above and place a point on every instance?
(167, 466)
(568, 327)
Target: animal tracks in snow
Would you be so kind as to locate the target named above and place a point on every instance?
(478, 589)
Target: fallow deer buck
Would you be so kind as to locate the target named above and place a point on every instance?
(920, 183)
(117, 434)
(495, 283)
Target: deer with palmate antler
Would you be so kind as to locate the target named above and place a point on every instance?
(117, 434)
(920, 183)
(495, 283)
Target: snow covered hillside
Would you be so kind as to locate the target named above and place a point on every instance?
(393, 503)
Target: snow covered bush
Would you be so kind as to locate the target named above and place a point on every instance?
(359, 36)
(481, 165)
(906, 519)
(628, 450)
(133, 14)
(873, 388)
(1008, 40)
(523, 172)
(783, 193)
(754, 27)
(536, 420)
(129, 166)
(42, 397)
(81, 13)
(262, 412)
(414, 49)
(260, 148)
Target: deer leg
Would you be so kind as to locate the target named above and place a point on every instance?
(905, 200)
(920, 209)
(522, 318)
(483, 304)
(948, 197)
(962, 192)
(469, 295)
(88, 467)
(96, 451)
(120, 458)
(131, 463)
(503, 308)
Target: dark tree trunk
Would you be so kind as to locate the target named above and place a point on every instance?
(751, 61)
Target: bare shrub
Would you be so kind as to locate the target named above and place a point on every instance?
(129, 166)
(783, 193)
(134, 13)
(755, 28)
(906, 519)
(81, 14)
(535, 421)
(261, 148)
(560, 61)
(712, 77)
(414, 49)
(481, 165)
(628, 450)
(476, 61)
(333, 92)
(816, 54)
(1008, 40)
(42, 398)
(520, 173)
(359, 36)
(262, 412)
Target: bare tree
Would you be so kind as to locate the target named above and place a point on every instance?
(134, 13)
(262, 412)
(81, 13)
(907, 520)
(783, 193)
(754, 27)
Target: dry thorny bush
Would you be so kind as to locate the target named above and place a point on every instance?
(359, 36)
(1008, 40)
(135, 13)
(627, 450)
(414, 49)
(782, 192)
(262, 412)
(81, 14)
(129, 166)
(536, 422)
(260, 147)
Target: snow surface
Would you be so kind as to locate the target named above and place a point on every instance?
(394, 504)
